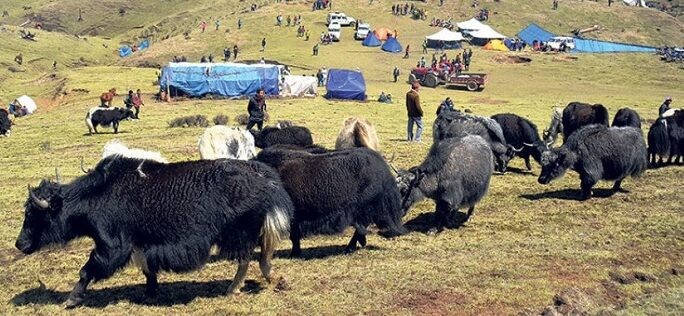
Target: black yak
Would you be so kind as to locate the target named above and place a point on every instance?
(165, 217)
(626, 117)
(357, 132)
(333, 191)
(522, 135)
(106, 117)
(455, 174)
(5, 123)
(289, 135)
(450, 124)
(658, 142)
(675, 130)
(574, 116)
(597, 152)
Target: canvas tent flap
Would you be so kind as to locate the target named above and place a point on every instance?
(224, 79)
(487, 32)
(371, 40)
(392, 45)
(446, 35)
(534, 32)
(27, 103)
(299, 86)
(345, 84)
(470, 25)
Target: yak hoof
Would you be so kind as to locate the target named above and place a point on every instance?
(433, 231)
(349, 250)
(73, 302)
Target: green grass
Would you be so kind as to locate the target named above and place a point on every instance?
(517, 251)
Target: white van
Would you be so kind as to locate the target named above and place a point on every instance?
(555, 42)
(341, 19)
(362, 31)
(335, 30)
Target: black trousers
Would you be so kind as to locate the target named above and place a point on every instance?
(259, 124)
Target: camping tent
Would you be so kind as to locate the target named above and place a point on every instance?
(496, 44)
(392, 45)
(345, 84)
(299, 86)
(25, 103)
(371, 40)
(449, 38)
(483, 35)
(534, 32)
(470, 25)
(223, 79)
(383, 33)
(640, 3)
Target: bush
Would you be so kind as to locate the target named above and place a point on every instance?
(242, 119)
(190, 121)
(220, 120)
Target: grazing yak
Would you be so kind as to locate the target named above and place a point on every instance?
(5, 123)
(626, 117)
(666, 138)
(167, 220)
(574, 116)
(455, 174)
(675, 129)
(450, 124)
(597, 152)
(289, 135)
(226, 142)
(333, 191)
(116, 147)
(658, 142)
(106, 117)
(522, 136)
(357, 132)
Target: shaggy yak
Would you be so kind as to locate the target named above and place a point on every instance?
(289, 135)
(106, 117)
(455, 174)
(574, 116)
(522, 135)
(333, 191)
(164, 217)
(357, 132)
(626, 117)
(597, 152)
(226, 142)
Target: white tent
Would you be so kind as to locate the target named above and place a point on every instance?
(446, 36)
(299, 86)
(26, 103)
(640, 3)
(470, 25)
(486, 32)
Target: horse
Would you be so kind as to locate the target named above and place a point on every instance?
(107, 97)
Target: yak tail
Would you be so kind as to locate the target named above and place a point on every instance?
(89, 122)
(276, 228)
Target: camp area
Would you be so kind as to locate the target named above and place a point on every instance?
(341, 157)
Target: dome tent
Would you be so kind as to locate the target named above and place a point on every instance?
(392, 45)
(383, 34)
(371, 40)
(346, 85)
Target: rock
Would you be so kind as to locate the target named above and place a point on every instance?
(282, 285)
(644, 277)
(620, 278)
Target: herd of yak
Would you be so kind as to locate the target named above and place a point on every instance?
(165, 216)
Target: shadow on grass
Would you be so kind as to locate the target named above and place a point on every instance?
(425, 221)
(519, 171)
(568, 194)
(323, 252)
(106, 133)
(169, 294)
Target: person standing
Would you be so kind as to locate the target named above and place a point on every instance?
(664, 107)
(137, 102)
(425, 45)
(395, 73)
(235, 52)
(263, 44)
(257, 109)
(203, 25)
(315, 49)
(415, 113)
(226, 54)
(406, 55)
(217, 23)
(128, 100)
(239, 22)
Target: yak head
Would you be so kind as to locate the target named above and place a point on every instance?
(42, 224)
(126, 113)
(555, 127)
(408, 182)
(554, 164)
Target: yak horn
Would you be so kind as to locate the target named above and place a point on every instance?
(139, 170)
(528, 144)
(517, 149)
(41, 203)
(394, 168)
(83, 168)
(392, 159)
(58, 176)
(41, 285)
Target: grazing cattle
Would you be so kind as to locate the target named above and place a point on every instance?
(597, 152)
(107, 97)
(522, 135)
(455, 174)
(166, 221)
(106, 117)
(658, 142)
(336, 190)
(226, 142)
(626, 117)
(357, 132)
(5, 123)
(116, 147)
(450, 124)
(293, 135)
(574, 116)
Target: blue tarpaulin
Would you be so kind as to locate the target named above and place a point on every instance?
(596, 46)
(371, 40)
(345, 84)
(534, 32)
(392, 45)
(125, 51)
(223, 79)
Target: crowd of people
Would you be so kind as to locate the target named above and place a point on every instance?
(447, 66)
(444, 23)
(406, 9)
(671, 54)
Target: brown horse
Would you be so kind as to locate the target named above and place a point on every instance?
(107, 97)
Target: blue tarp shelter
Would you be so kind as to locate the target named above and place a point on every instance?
(596, 46)
(125, 51)
(223, 79)
(392, 45)
(534, 32)
(346, 85)
(371, 40)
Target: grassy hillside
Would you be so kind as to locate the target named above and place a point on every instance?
(525, 244)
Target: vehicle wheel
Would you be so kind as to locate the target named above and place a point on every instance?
(472, 86)
(430, 81)
(352, 24)
(412, 78)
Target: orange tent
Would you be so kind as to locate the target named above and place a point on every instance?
(382, 33)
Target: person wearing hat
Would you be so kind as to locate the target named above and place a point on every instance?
(446, 105)
(665, 106)
(415, 112)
